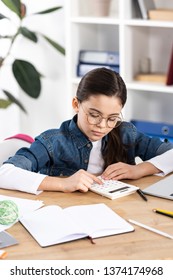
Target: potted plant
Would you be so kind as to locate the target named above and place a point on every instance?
(24, 71)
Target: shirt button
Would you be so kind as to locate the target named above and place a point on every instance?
(61, 174)
(86, 161)
(88, 145)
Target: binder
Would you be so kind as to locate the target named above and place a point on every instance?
(82, 69)
(98, 57)
(153, 129)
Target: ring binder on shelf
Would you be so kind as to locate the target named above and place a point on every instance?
(82, 69)
(162, 130)
(99, 57)
(89, 60)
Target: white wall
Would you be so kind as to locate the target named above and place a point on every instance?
(53, 106)
(9, 118)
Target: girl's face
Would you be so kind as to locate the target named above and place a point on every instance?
(99, 108)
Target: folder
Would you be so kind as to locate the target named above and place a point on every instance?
(82, 69)
(98, 57)
(162, 130)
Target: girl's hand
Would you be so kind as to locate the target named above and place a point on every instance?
(81, 181)
(120, 170)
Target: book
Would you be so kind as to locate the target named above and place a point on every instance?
(169, 80)
(52, 225)
(151, 78)
(145, 6)
(161, 14)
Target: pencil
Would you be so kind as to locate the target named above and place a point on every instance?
(151, 229)
(163, 212)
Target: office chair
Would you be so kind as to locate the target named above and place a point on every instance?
(10, 145)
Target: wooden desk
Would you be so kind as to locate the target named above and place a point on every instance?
(138, 245)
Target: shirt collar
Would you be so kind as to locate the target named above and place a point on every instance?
(78, 136)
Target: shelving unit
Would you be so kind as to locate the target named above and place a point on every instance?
(134, 38)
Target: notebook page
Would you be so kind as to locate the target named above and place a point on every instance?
(49, 226)
(98, 220)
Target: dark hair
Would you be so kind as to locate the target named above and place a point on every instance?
(107, 82)
(102, 81)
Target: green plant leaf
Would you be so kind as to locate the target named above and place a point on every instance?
(27, 77)
(4, 103)
(57, 46)
(13, 5)
(47, 11)
(28, 34)
(12, 99)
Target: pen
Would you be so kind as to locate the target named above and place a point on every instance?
(142, 194)
(151, 229)
(163, 212)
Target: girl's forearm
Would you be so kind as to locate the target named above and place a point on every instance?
(146, 168)
(51, 184)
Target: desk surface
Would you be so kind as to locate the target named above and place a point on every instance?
(138, 245)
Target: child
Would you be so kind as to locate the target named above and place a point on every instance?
(95, 142)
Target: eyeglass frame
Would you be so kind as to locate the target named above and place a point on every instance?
(101, 118)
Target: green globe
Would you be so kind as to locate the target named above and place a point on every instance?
(9, 212)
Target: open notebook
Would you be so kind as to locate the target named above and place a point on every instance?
(52, 225)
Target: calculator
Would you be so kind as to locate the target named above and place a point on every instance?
(113, 189)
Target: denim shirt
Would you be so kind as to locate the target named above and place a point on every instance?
(63, 151)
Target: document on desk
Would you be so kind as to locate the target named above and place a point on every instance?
(52, 225)
(24, 205)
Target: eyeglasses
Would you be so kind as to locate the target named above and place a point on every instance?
(96, 118)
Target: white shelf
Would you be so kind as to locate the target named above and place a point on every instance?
(149, 23)
(134, 39)
(152, 87)
(95, 20)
